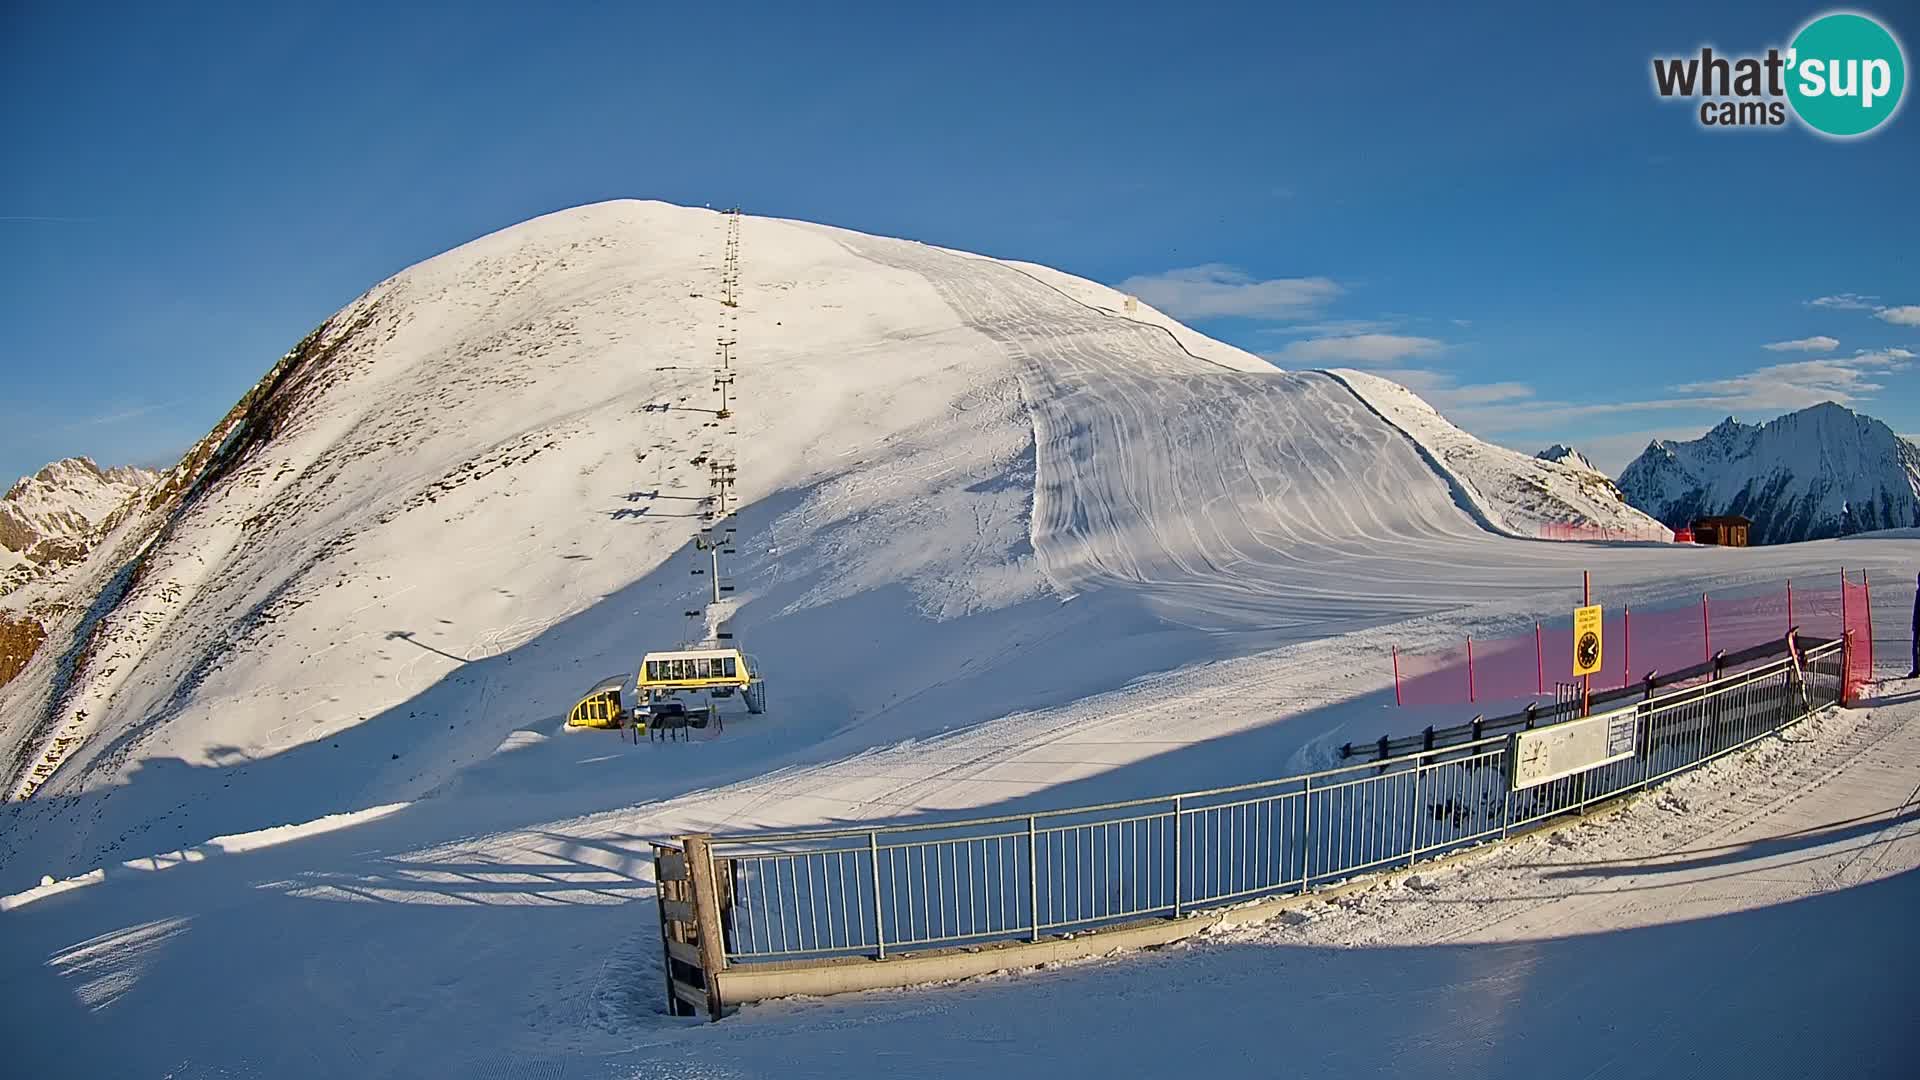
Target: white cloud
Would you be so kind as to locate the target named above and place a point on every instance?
(120, 415)
(1333, 328)
(1818, 343)
(1802, 383)
(1216, 289)
(1844, 302)
(1511, 411)
(1357, 350)
(1904, 315)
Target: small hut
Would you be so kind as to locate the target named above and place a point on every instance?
(1725, 530)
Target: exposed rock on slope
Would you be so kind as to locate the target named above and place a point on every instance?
(49, 520)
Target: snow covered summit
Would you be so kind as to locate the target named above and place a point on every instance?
(46, 519)
(966, 487)
(1821, 472)
(1567, 455)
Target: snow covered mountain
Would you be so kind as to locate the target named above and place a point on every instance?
(48, 519)
(1823, 471)
(1567, 455)
(1511, 492)
(1004, 539)
(966, 487)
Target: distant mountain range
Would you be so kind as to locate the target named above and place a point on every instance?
(48, 520)
(1567, 455)
(1821, 472)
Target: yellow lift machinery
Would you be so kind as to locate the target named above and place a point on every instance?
(600, 707)
(663, 677)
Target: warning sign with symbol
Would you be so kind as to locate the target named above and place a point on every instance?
(1586, 640)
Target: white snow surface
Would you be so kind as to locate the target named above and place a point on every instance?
(1003, 544)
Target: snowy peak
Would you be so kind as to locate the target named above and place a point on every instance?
(48, 519)
(483, 482)
(1538, 496)
(1567, 455)
(1820, 472)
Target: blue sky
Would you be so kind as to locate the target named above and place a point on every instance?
(1490, 205)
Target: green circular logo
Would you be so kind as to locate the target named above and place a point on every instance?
(1845, 74)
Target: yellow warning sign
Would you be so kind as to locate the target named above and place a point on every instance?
(1586, 640)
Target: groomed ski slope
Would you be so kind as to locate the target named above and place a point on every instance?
(1004, 544)
(969, 489)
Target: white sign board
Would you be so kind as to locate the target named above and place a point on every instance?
(1550, 753)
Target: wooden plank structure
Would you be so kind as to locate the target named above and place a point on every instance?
(693, 950)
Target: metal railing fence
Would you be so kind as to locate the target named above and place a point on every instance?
(876, 891)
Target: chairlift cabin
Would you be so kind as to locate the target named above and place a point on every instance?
(601, 706)
(717, 672)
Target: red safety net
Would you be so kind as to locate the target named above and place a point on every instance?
(1638, 640)
(1568, 530)
(1856, 603)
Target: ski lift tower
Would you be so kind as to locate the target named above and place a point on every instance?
(715, 542)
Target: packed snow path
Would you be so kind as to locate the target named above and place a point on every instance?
(1751, 919)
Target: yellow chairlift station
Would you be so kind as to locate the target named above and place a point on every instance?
(717, 671)
(601, 706)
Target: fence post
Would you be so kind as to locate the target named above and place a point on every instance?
(1413, 827)
(1176, 855)
(1706, 627)
(1306, 835)
(1539, 662)
(1626, 645)
(1386, 748)
(1033, 872)
(1471, 697)
(1506, 795)
(1396, 675)
(879, 924)
(1649, 691)
(706, 918)
(1866, 597)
